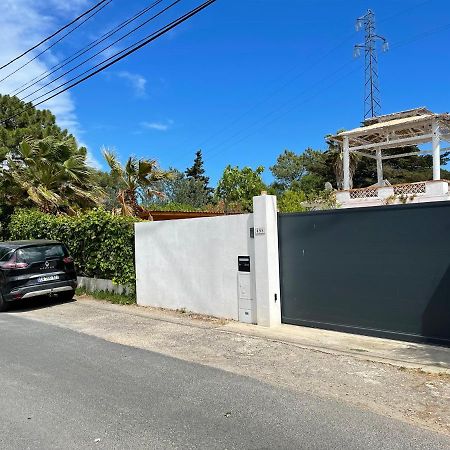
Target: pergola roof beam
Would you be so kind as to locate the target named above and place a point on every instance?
(421, 152)
(367, 155)
(395, 143)
(403, 154)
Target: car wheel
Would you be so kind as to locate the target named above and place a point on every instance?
(3, 305)
(66, 296)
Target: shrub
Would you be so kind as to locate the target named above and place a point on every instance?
(101, 243)
(292, 201)
(5, 215)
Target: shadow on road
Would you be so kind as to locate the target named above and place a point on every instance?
(32, 304)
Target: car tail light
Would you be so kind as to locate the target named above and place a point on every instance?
(68, 260)
(13, 264)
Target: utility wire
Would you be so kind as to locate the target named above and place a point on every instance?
(129, 50)
(96, 54)
(82, 51)
(277, 90)
(419, 36)
(435, 30)
(281, 108)
(143, 43)
(56, 42)
(54, 34)
(402, 11)
(354, 70)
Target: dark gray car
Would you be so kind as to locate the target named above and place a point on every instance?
(35, 268)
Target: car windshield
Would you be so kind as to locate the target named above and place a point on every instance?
(40, 253)
(5, 253)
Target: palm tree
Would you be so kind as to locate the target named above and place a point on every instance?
(51, 174)
(137, 179)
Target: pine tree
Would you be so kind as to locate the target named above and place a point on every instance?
(197, 172)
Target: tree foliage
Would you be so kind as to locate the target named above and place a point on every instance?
(292, 201)
(138, 179)
(197, 171)
(20, 120)
(110, 184)
(237, 187)
(407, 169)
(41, 164)
(309, 171)
(288, 170)
(49, 173)
(180, 189)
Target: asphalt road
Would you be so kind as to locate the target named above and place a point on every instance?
(62, 389)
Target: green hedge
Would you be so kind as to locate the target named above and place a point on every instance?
(101, 243)
(5, 216)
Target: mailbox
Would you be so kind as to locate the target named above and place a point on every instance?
(245, 291)
(244, 263)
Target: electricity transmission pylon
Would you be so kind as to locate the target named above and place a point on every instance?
(372, 101)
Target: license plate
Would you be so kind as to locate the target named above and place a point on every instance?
(49, 278)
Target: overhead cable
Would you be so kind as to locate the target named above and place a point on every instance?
(55, 33)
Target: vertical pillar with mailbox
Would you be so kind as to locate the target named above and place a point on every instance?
(247, 303)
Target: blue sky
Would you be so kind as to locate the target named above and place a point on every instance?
(243, 80)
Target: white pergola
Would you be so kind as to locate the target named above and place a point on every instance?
(413, 127)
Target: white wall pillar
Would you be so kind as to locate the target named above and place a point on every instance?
(267, 269)
(436, 150)
(346, 163)
(379, 168)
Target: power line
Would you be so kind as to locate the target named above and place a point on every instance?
(264, 126)
(81, 52)
(214, 151)
(94, 55)
(421, 35)
(258, 103)
(56, 42)
(150, 39)
(403, 11)
(54, 34)
(278, 89)
(281, 108)
(100, 52)
(143, 43)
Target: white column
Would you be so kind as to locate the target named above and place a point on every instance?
(379, 168)
(346, 163)
(436, 150)
(267, 268)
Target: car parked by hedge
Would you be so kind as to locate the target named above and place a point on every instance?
(35, 268)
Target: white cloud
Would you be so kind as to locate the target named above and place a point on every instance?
(155, 126)
(91, 159)
(137, 82)
(158, 126)
(23, 23)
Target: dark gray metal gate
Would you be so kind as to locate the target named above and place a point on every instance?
(382, 271)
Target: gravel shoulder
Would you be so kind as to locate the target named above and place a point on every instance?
(411, 395)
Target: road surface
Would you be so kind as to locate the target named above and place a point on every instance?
(63, 389)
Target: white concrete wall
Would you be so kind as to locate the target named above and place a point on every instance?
(193, 263)
(267, 267)
(100, 284)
